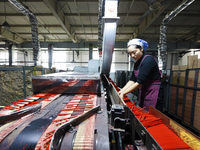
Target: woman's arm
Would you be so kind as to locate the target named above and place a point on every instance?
(128, 84)
(129, 87)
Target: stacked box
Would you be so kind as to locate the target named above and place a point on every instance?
(175, 67)
(180, 101)
(196, 122)
(173, 100)
(192, 61)
(183, 67)
(188, 106)
(174, 77)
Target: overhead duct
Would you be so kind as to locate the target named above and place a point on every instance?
(162, 46)
(34, 28)
(100, 25)
(110, 25)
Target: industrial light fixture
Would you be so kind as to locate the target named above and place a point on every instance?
(5, 25)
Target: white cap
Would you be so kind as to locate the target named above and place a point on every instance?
(139, 42)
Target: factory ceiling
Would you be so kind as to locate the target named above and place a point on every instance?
(78, 20)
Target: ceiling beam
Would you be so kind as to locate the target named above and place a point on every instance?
(145, 34)
(22, 15)
(96, 14)
(52, 5)
(132, 26)
(33, 1)
(96, 1)
(178, 26)
(168, 34)
(72, 26)
(84, 1)
(96, 26)
(96, 33)
(11, 36)
(148, 20)
(27, 26)
(92, 14)
(25, 1)
(190, 34)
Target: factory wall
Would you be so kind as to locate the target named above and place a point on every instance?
(20, 58)
(119, 61)
(67, 60)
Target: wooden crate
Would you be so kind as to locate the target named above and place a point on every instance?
(180, 101)
(184, 67)
(188, 106)
(198, 63)
(198, 84)
(175, 67)
(182, 74)
(182, 78)
(196, 122)
(174, 77)
(188, 98)
(191, 75)
(192, 61)
(173, 100)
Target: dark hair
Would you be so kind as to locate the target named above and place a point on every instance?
(136, 46)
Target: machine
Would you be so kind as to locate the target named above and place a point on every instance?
(82, 110)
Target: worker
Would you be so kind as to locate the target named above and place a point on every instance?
(146, 75)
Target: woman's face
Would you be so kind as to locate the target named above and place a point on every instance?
(134, 52)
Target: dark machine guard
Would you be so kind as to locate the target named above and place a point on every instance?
(61, 131)
(18, 114)
(140, 137)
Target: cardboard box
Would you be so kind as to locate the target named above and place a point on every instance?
(192, 61)
(191, 74)
(175, 67)
(198, 63)
(182, 78)
(183, 67)
(174, 77)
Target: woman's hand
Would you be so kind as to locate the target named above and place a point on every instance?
(121, 95)
(119, 92)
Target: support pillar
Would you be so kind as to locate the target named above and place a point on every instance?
(50, 52)
(10, 52)
(90, 51)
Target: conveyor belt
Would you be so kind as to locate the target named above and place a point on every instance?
(162, 131)
(26, 137)
(35, 130)
(68, 83)
(19, 112)
(77, 105)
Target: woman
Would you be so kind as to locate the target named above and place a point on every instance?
(146, 75)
